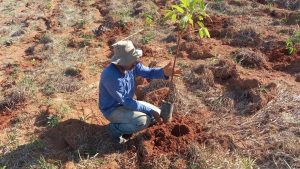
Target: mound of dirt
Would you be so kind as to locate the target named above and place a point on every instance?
(165, 139)
(196, 51)
(219, 26)
(155, 97)
(224, 70)
(199, 78)
(156, 90)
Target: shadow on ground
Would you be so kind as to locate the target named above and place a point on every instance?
(70, 140)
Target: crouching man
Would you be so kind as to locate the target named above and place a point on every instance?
(117, 88)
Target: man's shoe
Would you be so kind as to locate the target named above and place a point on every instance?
(121, 140)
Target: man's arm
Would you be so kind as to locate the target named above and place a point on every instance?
(150, 73)
(116, 89)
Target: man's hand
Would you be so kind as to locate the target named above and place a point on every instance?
(157, 117)
(167, 68)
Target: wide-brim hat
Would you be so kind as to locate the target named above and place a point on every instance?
(125, 53)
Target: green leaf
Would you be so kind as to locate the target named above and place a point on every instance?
(191, 20)
(169, 14)
(173, 17)
(206, 32)
(179, 9)
(200, 24)
(184, 3)
(201, 33)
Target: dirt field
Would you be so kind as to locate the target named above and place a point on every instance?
(237, 102)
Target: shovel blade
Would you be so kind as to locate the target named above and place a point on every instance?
(166, 111)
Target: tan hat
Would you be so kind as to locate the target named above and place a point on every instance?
(125, 53)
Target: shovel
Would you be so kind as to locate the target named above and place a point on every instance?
(166, 111)
(166, 107)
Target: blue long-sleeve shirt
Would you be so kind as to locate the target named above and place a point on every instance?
(117, 89)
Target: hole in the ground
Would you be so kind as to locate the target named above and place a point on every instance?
(180, 130)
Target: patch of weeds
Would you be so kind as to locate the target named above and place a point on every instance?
(64, 109)
(84, 43)
(47, 101)
(93, 69)
(183, 65)
(49, 5)
(292, 42)
(262, 89)
(193, 155)
(33, 62)
(48, 90)
(80, 24)
(52, 120)
(87, 36)
(270, 6)
(45, 39)
(147, 39)
(248, 163)
(12, 137)
(125, 13)
(29, 84)
(148, 19)
(3, 167)
(43, 164)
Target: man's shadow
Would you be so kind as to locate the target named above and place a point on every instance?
(70, 140)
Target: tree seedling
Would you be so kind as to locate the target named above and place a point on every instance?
(185, 15)
(292, 42)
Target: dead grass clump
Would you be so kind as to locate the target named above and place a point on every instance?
(63, 82)
(193, 156)
(246, 37)
(249, 59)
(200, 78)
(12, 99)
(72, 72)
(224, 70)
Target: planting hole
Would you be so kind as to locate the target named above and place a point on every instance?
(180, 130)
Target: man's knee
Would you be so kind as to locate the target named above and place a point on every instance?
(142, 122)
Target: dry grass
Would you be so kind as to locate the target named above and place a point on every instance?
(267, 139)
(249, 59)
